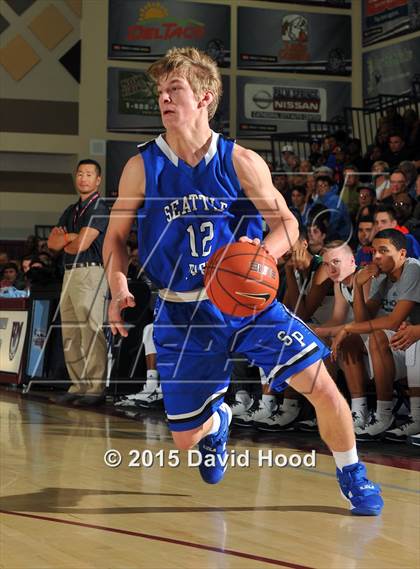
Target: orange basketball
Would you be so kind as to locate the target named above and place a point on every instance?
(241, 279)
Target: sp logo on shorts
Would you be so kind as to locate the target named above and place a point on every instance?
(15, 339)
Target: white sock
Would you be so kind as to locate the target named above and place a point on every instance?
(289, 404)
(152, 374)
(215, 425)
(384, 410)
(243, 397)
(346, 458)
(415, 408)
(359, 406)
(269, 401)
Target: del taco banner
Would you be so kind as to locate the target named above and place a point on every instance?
(145, 30)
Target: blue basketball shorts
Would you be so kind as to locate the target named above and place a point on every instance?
(195, 343)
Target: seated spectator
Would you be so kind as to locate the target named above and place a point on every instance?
(364, 237)
(4, 259)
(339, 223)
(394, 297)
(350, 187)
(397, 184)
(287, 157)
(25, 263)
(339, 263)
(410, 172)
(374, 154)
(367, 197)
(386, 218)
(366, 210)
(380, 179)
(306, 166)
(298, 199)
(281, 183)
(315, 156)
(307, 285)
(354, 153)
(404, 207)
(396, 151)
(317, 229)
(10, 277)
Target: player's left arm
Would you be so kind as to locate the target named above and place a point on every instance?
(255, 179)
(391, 321)
(83, 241)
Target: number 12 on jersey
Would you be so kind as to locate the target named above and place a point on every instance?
(205, 235)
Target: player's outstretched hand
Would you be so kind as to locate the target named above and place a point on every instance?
(116, 306)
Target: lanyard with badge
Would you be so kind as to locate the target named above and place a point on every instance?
(78, 213)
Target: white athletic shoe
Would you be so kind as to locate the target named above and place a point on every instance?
(254, 415)
(126, 401)
(375, 429)
(414, 440)
(280, 420)
(400, 434)
(150, 399)
(240, 407)
(360, 420)
(149, 387)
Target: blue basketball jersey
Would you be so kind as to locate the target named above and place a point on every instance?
(189, 213)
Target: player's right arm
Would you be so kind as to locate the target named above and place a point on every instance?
(131, 194)
(364, 309)
(338, 316)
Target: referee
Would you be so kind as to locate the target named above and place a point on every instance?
(80, 233)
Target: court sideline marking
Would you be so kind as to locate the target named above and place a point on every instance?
(164, 539)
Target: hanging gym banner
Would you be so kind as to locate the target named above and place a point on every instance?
(298, 42)
(267, 106)
(145, 30)
(326, 3)
(133, 105)
(385, 19)
(391, 70)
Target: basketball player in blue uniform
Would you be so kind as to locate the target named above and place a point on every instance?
(194, 191)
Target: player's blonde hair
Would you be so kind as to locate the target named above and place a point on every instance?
(337, 244)
(196, 67)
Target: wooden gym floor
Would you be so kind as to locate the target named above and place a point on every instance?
(62, 507)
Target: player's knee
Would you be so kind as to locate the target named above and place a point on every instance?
(325, 393)
(378, 340)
